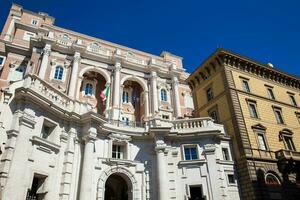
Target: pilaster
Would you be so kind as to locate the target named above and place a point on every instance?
(45, 60)
(11, 28)
(116, 91)
(162, 180)
(87, 168)
(175, 87)
(14, 164)
(68, 166)
(154, 100)
(74, 75)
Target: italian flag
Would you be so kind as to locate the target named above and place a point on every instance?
(104, 95)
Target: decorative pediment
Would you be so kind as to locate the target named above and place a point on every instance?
(119, 137)
(286, 131)
(259, 127)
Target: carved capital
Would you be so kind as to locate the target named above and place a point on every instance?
(118, 66)
(153, 74)
(160, 146)
(47, 50)
(209, 148)
(89, 139)
(77, 57)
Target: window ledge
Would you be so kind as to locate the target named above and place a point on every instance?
(192, 162)
(225, 162)
(45, 145)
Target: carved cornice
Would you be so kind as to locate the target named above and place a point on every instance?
(119, 137)
(226, 58)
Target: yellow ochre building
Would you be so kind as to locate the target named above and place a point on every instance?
(259, 107)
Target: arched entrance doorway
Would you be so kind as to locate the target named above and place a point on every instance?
(116, 188)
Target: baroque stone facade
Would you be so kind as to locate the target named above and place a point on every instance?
(259, 107)
(82, 118)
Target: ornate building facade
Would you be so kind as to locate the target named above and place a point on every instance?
(259, 107)
(82, 118)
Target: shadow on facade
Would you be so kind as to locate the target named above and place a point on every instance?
(270, 187)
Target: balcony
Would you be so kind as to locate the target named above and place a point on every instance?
(53, 96)
(99, 50)
(64, 41)
(194, 125)
(287, 155)
(133, 124)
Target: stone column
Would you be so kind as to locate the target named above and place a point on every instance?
(116, 91)
(74, 76)
(154, 100)
(44, 64)
(146, 98)
(11, 27)
(162, 180)
(175, 88)
(87, 169)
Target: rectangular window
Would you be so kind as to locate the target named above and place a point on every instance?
(125, 120)
(278, 116)
(261, 142)
(225, 153)
(125, 97)
(34, 22)
(214, 115)
(209, 94)
(246, 87)
(195, 192)
(190, 153)
(293, 100)
(298, 116)
(165, 117)
(289, 144)
(252, 109)
(270, 93)
(231, 178)
(118, 151)
(2, 60)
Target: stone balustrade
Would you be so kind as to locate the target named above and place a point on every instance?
(64, 41)
(98, 50)
(56, 97)
(196, 125)
(135, 60)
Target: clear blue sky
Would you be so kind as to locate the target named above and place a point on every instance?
(267, 31)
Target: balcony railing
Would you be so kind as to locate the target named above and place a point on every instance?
(259, 153)
(287, 155)
(133, 124)
(56, 97)
(135, 60)
(64, 41)
(196, 125)
(98, 50)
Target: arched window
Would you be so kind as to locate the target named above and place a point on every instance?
(125, 97)
(59, 71)
(94, 45)
(65, 36)
(88, 90)
(272, 180)
(163, 95)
